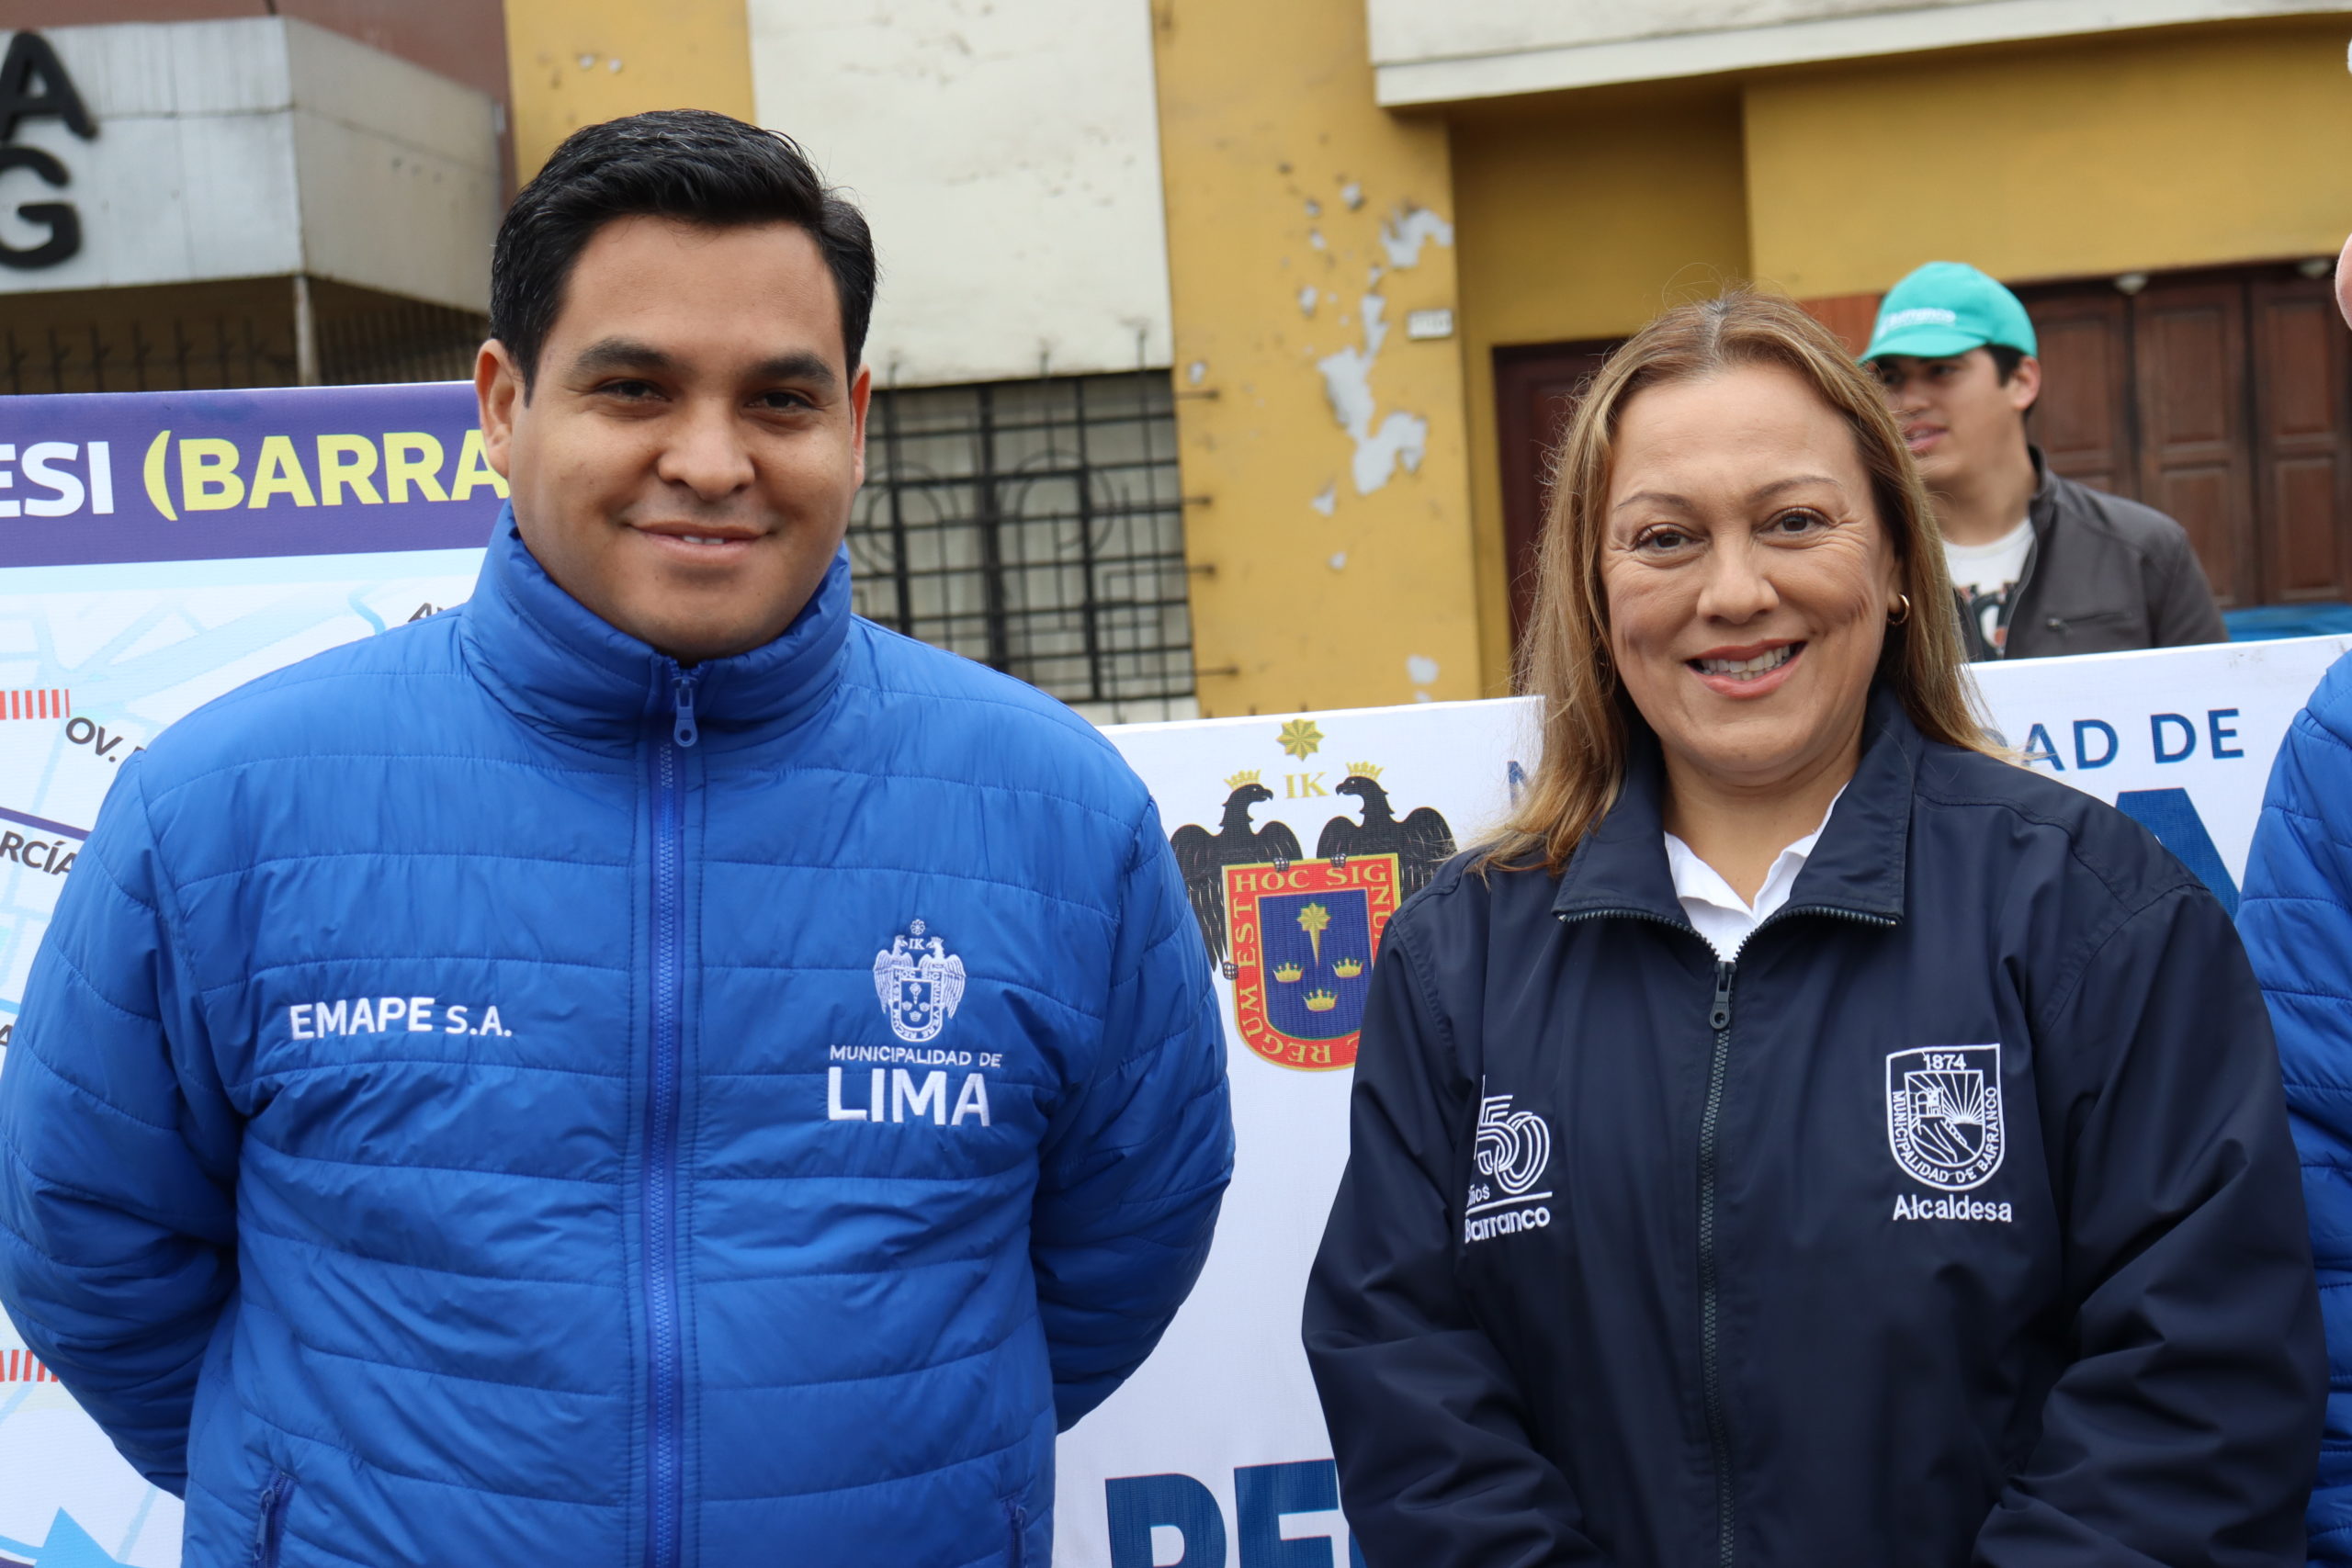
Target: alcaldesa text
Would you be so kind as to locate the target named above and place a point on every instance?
(382, 1015)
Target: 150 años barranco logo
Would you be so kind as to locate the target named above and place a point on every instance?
(921, 983)
(1513, 1151)
(1943, 1115)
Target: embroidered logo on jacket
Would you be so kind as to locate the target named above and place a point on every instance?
(921, 983)
(1943, 1115)
(1513, 1151)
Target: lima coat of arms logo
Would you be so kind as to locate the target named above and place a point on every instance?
(1297, 936)
(1943, 1115)
(921, 983)
(1303, 936)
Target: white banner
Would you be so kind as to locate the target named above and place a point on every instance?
(1214, 1453)
(1299, 836)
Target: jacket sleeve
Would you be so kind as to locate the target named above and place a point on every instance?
(2185, 1428)
(118, 1154)
(1137, 1159)
(2297, 920)
(1438, 1467)
(2180, 601)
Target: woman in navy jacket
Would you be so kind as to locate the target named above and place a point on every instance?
(1805, 1137)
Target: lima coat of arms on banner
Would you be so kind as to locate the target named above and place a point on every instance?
(1943, 1115)
(920, 983)
(1297, 936)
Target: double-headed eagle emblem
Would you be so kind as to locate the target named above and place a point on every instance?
(1420, 840)
(920, 983)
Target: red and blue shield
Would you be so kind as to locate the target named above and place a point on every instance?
(1303, 938)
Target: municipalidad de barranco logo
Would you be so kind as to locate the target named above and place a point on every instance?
(1513, 1151)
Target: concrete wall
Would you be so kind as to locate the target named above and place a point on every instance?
(261, 147)
(575, 63)
(1432, 51)
(1321, 442)
(1008, 156)
(2133, 152)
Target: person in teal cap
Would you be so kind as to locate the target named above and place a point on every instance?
(2042, 565)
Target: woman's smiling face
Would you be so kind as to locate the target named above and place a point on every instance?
(1748, 576)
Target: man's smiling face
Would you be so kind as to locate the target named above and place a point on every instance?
(684, 461)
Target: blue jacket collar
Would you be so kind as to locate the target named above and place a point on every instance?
(564, 671)
(1856, 870)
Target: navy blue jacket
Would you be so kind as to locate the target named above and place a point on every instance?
(488, 1096)
(2296, 917)
(1956, 1221)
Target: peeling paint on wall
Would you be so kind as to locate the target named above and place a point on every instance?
(1352, 194)
(1421, 670)
(1306, 297)
(1327, 500)
(1403, 236)
(1339, 561)
(1347, 381)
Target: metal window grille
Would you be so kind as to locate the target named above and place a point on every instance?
(1036, 526)
(405, 340)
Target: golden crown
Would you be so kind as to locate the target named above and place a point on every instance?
(1287, 972)
(1347, 968)
(1247, 776)
(1364, 770)
(1321, 1001)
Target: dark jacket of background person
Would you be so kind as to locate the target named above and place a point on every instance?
(2106, 575)
(696, 1238)
(1738, 1330)
(2296, 917)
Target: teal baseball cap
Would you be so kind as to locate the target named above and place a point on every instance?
(1947, 308)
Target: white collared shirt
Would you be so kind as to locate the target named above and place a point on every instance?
(1721, 915)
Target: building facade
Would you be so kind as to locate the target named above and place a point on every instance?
(209, 193)
(1219, 343)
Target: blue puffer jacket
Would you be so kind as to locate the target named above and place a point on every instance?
(2296, 917)
(487, 1097)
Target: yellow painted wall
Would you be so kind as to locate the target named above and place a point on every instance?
(1267, 119)
(1582, 217)
(575, 63)
(2129, 153)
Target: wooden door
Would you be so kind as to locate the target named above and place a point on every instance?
(2083, 420)
(1536, 388)
(2189, 354)
(2302, 440)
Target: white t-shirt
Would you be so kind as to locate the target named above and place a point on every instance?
(1986, 575)
(1721, 915)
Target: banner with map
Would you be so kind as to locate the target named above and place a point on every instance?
(157, 550)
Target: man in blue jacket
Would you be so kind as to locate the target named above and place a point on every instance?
(2296, 917)
(646, 1068)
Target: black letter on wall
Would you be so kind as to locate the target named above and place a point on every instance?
(33, 86)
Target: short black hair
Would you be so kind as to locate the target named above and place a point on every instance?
(690, 164)
(2006, 360)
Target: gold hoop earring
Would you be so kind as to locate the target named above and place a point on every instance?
(1898, 620)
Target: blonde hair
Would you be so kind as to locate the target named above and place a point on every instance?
(1564, 657)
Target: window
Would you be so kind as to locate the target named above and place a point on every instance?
(1037, 527)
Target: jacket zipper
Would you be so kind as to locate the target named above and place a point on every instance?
(1710, 1377)
(269, 1523)
(1710, 1382)
(662, 1414)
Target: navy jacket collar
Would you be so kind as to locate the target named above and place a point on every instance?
(564, 671)
(1856, 869)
